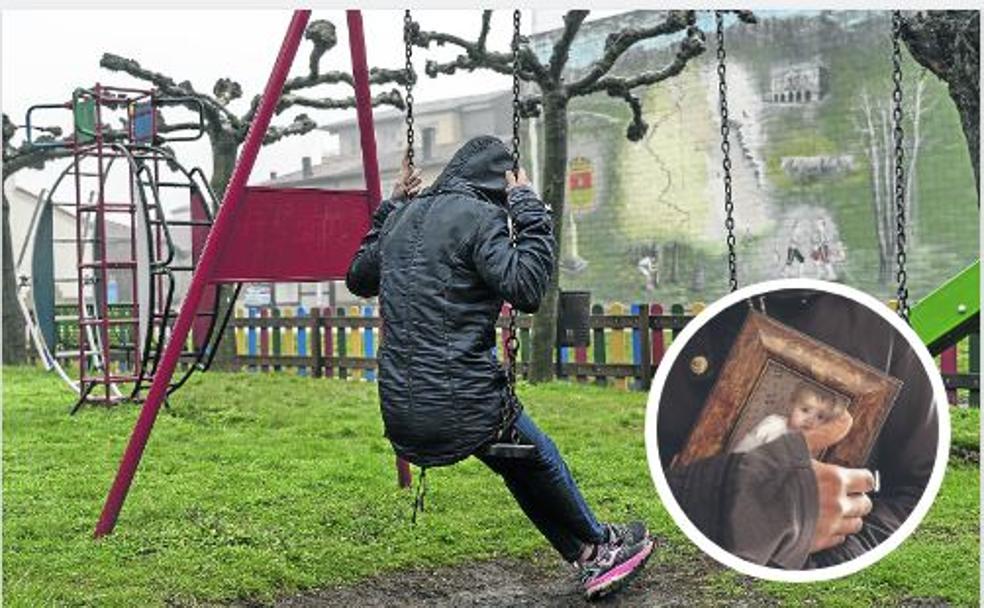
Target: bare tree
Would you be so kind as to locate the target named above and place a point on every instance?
(947, 43)
(226, 130)
(876, 127)
(554, 91)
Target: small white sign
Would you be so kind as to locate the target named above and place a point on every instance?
(257, 294)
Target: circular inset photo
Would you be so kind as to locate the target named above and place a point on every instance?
(797, 430)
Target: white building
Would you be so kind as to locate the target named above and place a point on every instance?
(798, 84)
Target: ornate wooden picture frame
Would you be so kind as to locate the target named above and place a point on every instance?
(765, 365)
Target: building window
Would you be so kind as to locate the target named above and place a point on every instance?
(808, 96)
(427, 142)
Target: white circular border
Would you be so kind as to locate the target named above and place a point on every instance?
(819, 574)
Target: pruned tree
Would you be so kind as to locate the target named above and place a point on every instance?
(875, 124)
(947, 43)
(554, 89)
(226, 130)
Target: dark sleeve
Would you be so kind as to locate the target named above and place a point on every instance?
(771, 515)
(760, 505)
(519, 274)
(362, 278)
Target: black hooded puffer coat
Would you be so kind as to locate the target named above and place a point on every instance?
(442, 264)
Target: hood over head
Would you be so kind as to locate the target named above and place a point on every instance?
(481, 163)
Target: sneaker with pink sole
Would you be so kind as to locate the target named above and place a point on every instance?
(617, 561)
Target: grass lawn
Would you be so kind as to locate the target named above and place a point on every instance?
(255, 486)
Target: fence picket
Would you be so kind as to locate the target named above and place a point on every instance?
(676, 310)
(617, 344)
(368, 343)
(240, 333)
(328, 342)
(355, 342)
(342, 346)
(974, 367)
(302, 341)
(948, 365)
(599, 344)
(658, 347)
(276, 337)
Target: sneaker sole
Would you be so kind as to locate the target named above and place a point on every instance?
(621, 575)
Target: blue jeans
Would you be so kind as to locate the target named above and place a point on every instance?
(547, 493)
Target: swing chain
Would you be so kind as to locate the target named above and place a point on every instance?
(729, 206)
(512, 341)
(408, 27)
(517, 16)
(511, 412)
(900, 194)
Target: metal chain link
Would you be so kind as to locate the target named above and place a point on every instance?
(729, 207)
(408, 98)
(900, 195)
(512, 341)
(516, 40)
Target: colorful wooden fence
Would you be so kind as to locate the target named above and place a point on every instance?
(627, 344)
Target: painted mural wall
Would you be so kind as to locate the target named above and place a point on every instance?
(809, 98)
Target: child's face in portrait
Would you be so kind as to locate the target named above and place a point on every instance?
(810, 409)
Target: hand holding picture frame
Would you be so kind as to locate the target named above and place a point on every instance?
(777, 377)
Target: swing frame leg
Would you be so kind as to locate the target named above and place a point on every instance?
(209, 256)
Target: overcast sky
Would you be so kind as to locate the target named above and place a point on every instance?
(47, 53)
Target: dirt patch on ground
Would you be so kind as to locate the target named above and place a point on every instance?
(543, 581)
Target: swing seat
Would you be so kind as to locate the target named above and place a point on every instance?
(508, 450)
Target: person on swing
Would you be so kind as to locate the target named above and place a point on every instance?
(442, 262)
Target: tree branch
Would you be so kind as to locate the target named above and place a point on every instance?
(376, 76)
(214, 108)
(486, 26)
(28, 156)
(638, 127)
(562, 48)
(322, 35)
(476, 55)
(618, 42)
(690, 47)
(302, 124)
(392, 98)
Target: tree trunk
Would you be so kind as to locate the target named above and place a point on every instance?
(554, 175)
(224, 151)
(947, 43)
(14, 345)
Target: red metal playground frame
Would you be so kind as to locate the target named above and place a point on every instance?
(267, 234)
